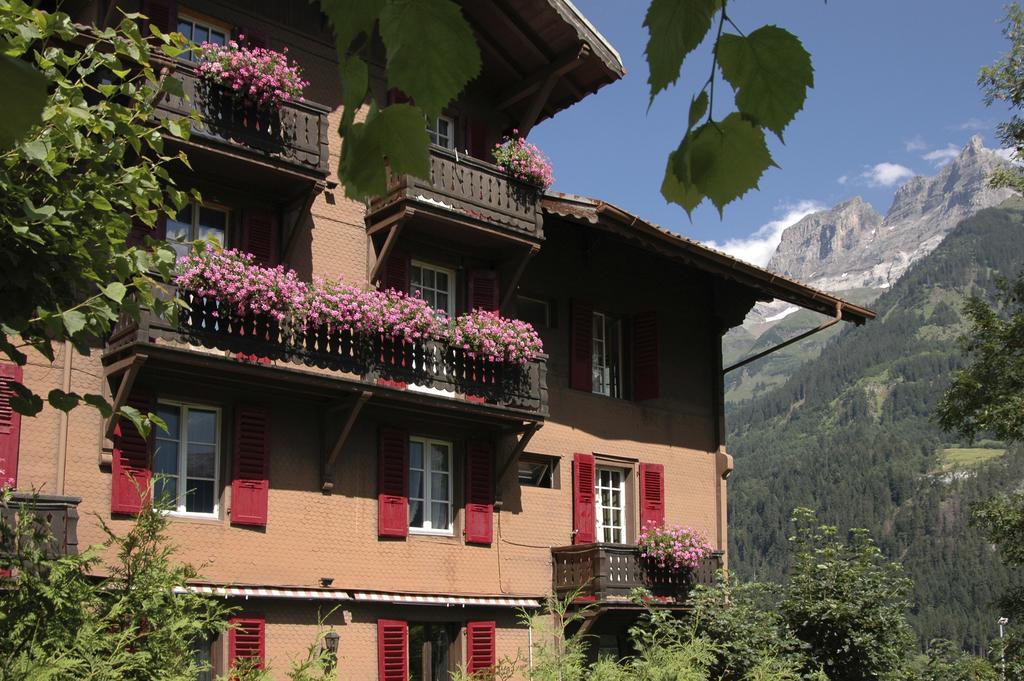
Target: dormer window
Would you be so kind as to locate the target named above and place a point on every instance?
(442, 131)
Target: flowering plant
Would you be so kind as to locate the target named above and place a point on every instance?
(675, 547)
(399, 314)
(490, 335)
(523, 161)
(334, 302)
(256, 75)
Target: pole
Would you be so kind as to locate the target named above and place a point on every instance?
(1002, 648)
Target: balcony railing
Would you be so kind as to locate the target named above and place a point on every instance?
(54, 522)
(610, 572)
(429, 364)
(470, 188)
(295, 134)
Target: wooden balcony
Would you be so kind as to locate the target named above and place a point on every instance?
(610, 572)
(55, 520)
(465, 189)
(293, 137)
(431, 364)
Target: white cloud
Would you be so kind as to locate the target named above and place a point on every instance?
(887, 174)
(759, 246)
(915, 143)
(942, 156)
(1009, 154)
(843, 179)
(974, 123)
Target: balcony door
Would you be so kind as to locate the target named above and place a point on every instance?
(611, 505)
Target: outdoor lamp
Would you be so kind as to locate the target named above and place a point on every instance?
(331, 639)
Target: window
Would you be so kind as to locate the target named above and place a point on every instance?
(611, 505)
(607, 355)
(535, 311)
(537, 471)
(196, 222)
(199, 32)
(202, 649)
(441, 131)
(430, 485)
(435, 284)
(185, 457)
(430, 646)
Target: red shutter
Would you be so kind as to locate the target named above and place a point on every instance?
(392, 650)
(131, 470)
(483, 290)
(247, 639)
(652, 494)
(581, 352)
(396, 96)
(396, 272)
(393, 483)
(480, 640)
(251, 484)
(645, 356)
(584, 505)
(260, 235)
(10, 424)
(478, 147)
(161, 13)
(479, 493)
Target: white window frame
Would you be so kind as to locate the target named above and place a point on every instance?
(203, 23)
(540, 301)
(600, 370)
(427, 443)
(435, 135)
(450, 273)
(185, 407)
(194, 225)
(622, 508)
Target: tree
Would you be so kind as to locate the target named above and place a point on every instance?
(718, 159)
(1004, 82)
(66, 270)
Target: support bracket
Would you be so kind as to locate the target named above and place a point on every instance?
(130, 368)
(385, 251)
(513, 282)
(354, 406)
(821, 327)
(302, 207)
(525, 436)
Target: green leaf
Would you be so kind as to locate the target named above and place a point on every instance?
(355, 80)
(351, 18)
(726, 159)
(771, 73)
(35, 150)
(676, 191)
(173, 86)
(63, 401)
(431, 71)
(176, 128)
(37, 213)
(115, 290)
(99, 202)
(698, 107)
(157, 421)
(24, 96)
(100, 403)
(396, 135)
(138, 420)
(675, 28)
(74, 321)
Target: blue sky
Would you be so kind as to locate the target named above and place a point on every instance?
(895, 87)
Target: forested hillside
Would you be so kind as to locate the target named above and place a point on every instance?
(851, 434)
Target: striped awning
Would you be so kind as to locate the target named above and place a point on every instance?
(266, 592)
(449, 601)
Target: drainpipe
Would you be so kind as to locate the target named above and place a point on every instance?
(62, 435)
(821, 327)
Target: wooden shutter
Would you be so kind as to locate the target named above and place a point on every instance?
(479, 493)
(393, 483)
(584, 504)
(483, 290)
(161, 13)
(393, 650)
(480, 647)
(581, 340)
(645, 356)
(247, 639)
(478, 146)
(10, 424)
(131, 469)
(251, 482)
(652, 494)
(396, 272)
(260, 235)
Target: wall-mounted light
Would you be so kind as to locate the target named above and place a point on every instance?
(331, 640)
(326, 581)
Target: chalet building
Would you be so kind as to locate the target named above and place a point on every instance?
(418, 495)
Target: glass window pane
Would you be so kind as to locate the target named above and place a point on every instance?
(416, 277)
(428, 278)
(202, 35)
(165, 457)
(442, 302)
(439, 458)
(217, 38)
(439, 516)
(441, 281)
(439, 487)
(202, 461)
(199, 496)
(416, 484)
(202, 426)
(415, 454)
(415, 513)
(185, 28)
(165, 489)
(213, 218)
(178, 231)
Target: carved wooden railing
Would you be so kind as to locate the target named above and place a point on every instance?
(295, 134)
(429, 364)
(605, 572)
(54, 525)
(471, 188)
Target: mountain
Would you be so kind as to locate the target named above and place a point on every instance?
(851, 435)
(852, 246)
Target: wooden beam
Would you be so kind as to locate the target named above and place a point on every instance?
(385, 250)
(513, 282)
(124, 389)
(524, 439)
(561, 66)
(327, 483)
(302, 207)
